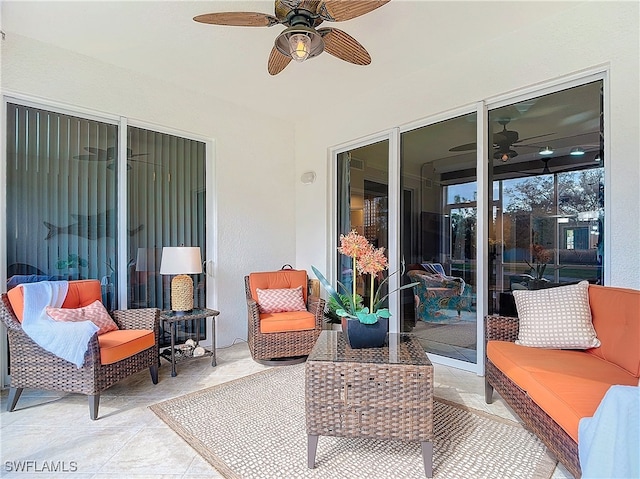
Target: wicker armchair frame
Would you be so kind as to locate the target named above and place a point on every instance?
(504, 328)
(267, 347)
(33, 367)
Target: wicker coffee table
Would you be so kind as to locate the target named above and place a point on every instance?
(380, 393)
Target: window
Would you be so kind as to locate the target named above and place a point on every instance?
(62, 205)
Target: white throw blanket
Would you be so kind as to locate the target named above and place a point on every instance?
(67, 340)
(608, 442)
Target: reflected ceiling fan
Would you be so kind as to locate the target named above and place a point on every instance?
(110, 154)
(301, 40)
(503, 141)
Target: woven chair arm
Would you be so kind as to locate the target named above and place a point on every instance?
(501, 328)
(8, 316)
(253, 314)
(316, 305)
(146, 318)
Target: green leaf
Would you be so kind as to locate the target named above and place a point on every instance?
(383, 313)
(328, 288)
(406, 286)
(343, 314)
(365, 317)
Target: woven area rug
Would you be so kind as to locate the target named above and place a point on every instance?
(254, 427)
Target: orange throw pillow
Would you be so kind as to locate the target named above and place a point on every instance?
(95, 312)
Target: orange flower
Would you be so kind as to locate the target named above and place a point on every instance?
(354, 245)
(372, 262)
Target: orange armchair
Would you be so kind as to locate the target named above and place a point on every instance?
(110, 357)
(282, 327)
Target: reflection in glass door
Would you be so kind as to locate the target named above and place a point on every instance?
(438, 236)
(362, 205)
(547, 207)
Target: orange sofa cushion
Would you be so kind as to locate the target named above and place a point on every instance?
(81, 293)
(122, 343)
(567, 384)
(288, 321)
(616, 319)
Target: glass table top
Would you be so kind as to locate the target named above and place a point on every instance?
(400, 348)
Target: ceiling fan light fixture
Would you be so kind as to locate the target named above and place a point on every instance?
(505, 155)
(576, 151)
(546, 151)
(299, 46)
(300, 43)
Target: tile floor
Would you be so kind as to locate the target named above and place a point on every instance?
(128, 440)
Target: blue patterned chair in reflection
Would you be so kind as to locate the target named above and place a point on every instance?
(435, 292)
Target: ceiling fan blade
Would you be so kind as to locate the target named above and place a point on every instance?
(86, 157)
(238, 19)
(344, 46)
(277, 61)
(533, 137)
(342, 10)
(465, 147)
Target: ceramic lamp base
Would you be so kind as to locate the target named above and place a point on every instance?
(182, 293)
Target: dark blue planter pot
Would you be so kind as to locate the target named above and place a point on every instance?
(360, 335)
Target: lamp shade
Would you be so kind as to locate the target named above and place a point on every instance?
(181, 260)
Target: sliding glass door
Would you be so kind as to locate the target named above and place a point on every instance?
(60, 197)
(547, 203)
(63, 210)
(166, 192)
(438, 236)
(522, 209)
(363, 206)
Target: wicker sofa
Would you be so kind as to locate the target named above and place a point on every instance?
(552, 389)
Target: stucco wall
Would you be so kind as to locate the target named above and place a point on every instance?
(255, 222)
(566, 42)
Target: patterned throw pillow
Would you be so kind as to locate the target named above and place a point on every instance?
(95, 312)
(280, 300)
(557, 318)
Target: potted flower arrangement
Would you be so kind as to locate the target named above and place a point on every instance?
(365, 326)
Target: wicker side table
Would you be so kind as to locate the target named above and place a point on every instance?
(380, 393)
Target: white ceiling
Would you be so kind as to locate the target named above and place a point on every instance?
(160, 39)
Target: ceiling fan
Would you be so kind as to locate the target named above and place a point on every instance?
(110, 154)
(301, 40)
(502, 142)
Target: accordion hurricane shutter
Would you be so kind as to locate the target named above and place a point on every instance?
(280, 300)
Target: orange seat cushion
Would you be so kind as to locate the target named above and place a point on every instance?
(81, 293)
(567, 384)
(287, 321)
(120, 344)
(616, 318)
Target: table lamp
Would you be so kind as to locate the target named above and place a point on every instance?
(181, 261)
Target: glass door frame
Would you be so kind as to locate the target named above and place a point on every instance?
(482, 136)
(392, 137)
